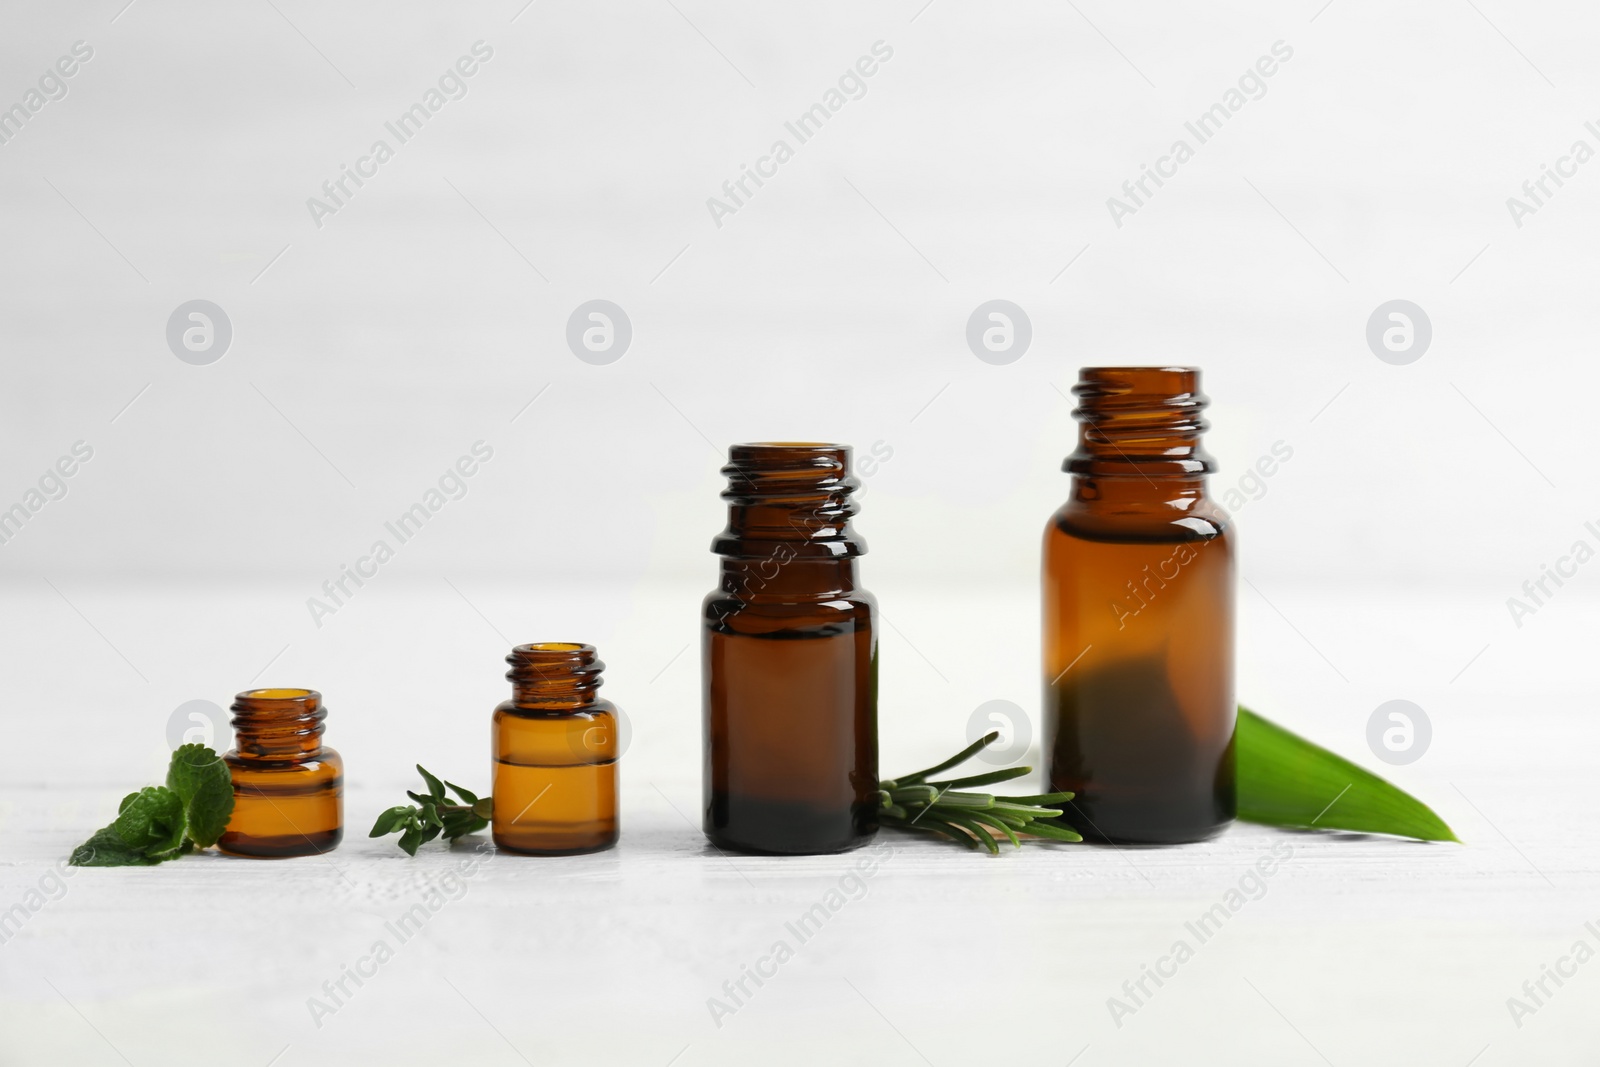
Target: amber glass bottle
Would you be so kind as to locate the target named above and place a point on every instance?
(555, 754)
(789, 661)
(288, 788)
(1138, 616)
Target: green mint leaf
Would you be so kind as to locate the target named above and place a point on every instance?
(435, 787)
(411, 838)
(467, 796)
(390, 821)
(201, 780)
(107, 849)
(151, 820)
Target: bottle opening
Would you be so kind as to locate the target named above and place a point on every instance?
(546, 671)
(276, 694)
(789, 497)
(1139, 421)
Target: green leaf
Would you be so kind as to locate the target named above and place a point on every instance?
(959, 758)
(1000, 824)
(460, 823)
(1285, 780)
(107, 849)
(1039, 798)
(925, 827)
(1053, 830)
(985, 779)
(912, 794)
(390, 821)
(411, 838)
(151, 820)
(977, 828)
(467, 796)
(201, 780)
(435, 787)
(930, 823)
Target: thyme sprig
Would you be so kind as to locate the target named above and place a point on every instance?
(950, 809)
(434, 815)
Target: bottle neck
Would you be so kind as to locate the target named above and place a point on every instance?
(278, 724)
(785, 577)
(791, 500)
(554, 674)
(1127, 503)
(1142, 424)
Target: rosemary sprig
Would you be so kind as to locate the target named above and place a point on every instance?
(434, 815)
(949, 808)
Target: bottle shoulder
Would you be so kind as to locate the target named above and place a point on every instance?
(1203, 520)
(598, 708)
(324, 761)
(720, 601)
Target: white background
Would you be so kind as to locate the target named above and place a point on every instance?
(372, 351)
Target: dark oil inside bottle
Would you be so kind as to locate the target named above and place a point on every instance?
(1141, 725)
(800, 776)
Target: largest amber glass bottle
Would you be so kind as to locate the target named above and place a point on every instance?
(1139, 616)
(790, 659)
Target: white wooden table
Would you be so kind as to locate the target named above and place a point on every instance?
(1355, 951)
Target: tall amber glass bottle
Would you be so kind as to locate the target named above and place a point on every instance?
(790, 659)
(288, 787)
(555, 753)
(1139, 616)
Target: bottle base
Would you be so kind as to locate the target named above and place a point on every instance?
(731, 844)
(763, 827)
(526, 849)
(1139, 828)
(247, 846)
(1151, 838)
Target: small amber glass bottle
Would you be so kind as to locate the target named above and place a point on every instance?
(790, 659)
(288, 788)
(555, 754)
(1139, 616)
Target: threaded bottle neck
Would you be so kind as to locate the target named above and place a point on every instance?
(789, 493)
(554, 674)
(1140, 422)
(278, 724)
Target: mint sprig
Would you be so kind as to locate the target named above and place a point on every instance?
(202, 782)
(434, 815)
(163, 822)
